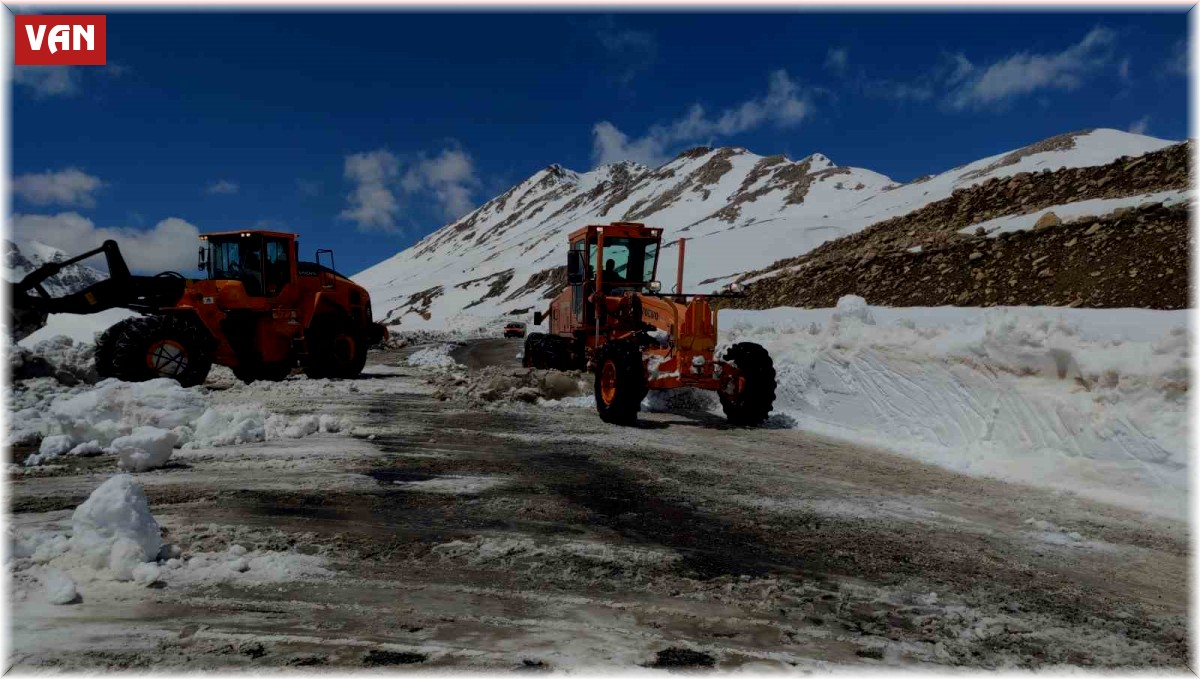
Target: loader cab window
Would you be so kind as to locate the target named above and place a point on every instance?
(238, 258)
(278, 266)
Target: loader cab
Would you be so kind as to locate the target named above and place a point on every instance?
(264, 261)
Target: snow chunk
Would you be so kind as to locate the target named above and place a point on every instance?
(59, 587)
(145, 449)
(114, 528)
(853, 307)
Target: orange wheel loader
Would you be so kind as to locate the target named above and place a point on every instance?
(260, 311)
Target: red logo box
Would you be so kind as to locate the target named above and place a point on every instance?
(61, 40)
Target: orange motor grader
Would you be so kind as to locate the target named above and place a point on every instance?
(614, 320)
(259, 311)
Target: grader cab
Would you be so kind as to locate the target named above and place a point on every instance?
(614, 320)
(259, 310)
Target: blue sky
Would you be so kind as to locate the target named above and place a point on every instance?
(365, 132)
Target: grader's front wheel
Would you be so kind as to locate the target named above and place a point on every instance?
(620, 383)
(750, 396)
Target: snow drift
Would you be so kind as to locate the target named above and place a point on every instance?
(1089, 401)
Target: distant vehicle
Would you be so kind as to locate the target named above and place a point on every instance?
(514, 329)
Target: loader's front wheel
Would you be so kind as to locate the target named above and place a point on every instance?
(620, 383)
(748, 398)
(147, 347)
(335, 350)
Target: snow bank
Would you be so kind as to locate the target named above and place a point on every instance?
(1090, 401)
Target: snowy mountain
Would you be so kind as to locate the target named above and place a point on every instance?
(741, 211)
(20, 260)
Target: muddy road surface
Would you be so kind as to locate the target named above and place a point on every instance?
(537, 537)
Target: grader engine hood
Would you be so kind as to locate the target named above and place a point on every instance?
(691, 326)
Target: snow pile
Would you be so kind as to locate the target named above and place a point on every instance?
(244, 567)
(114, 528)
(433, 357)
(110, 411)
(1091, 401)
(68, 362)
(236, 424)
(142, 422)
(506, 385)
(114, 538)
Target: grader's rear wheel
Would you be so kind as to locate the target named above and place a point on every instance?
(753, 391)
(532, 357)
(148, 347)
(620, 383)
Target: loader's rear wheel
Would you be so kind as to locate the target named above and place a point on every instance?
(749, 398)
(335, 349)
(148, 347)
(620, 383)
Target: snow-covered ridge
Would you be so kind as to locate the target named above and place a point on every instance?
(741, 211)
(20, 259)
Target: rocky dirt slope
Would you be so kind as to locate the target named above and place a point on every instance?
(1134, 256)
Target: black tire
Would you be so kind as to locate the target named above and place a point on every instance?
(335, 349)
(531, 357)
(620, 383)
(753, 404)
(147, 347)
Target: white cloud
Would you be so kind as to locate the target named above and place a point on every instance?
(47, 81)
(783, 105)
(837, 60)
(1177, 63)
(64, 187)
(449, 177)
(1024, 73)
(1123, 70)
(222, 187)
(169, 246)
(631, 50)
(1140, 126)
(373, 206)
